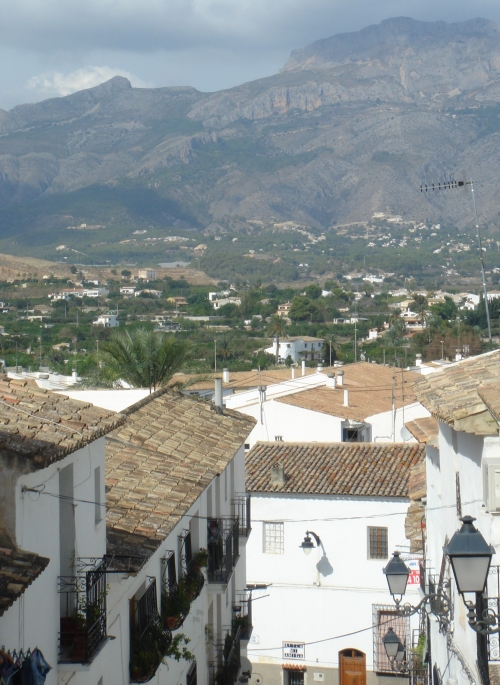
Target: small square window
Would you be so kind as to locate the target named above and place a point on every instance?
(378, 544)
(274, 538)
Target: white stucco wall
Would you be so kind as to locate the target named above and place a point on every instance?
(305, 606)
(34, 619)
(463, 453)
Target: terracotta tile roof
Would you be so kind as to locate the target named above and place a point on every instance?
(18, 569)
(159, 462)
(490, 394)
(454, 395)
(42, 427)
(425, 430)
(241, 380)
(337, 468)
(370, 392)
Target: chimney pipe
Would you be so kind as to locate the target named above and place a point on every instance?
(418, 360)
(218, 395)
(303, 367)
(346, 398)
(278, 474)
(331, 381)
(320, 368)
(225, 375)
(293, 372)
(340, 378)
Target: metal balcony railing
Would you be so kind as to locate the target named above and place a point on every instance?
(226, 666)
(223, 548)
(149, 641)
(241, 509)
(83, 614)
(242, 615)
(178, 594)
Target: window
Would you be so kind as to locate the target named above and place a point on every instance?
(385, 617)
(192, 676)
(97, 495)
(352, 435)
(274, 538)
(378, 545)
(294, 677)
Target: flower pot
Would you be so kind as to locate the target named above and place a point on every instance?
(172, 622)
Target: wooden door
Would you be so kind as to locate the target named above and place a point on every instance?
(352, 667)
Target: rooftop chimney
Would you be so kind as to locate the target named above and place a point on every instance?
(320, 368)
(346, 398)
(218, 395)
(418, 360)
(293, 372)
(303, 367)
(340, 378)
(225, 375)
(331, 381)
(278, 474)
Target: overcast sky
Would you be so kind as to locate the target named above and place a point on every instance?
(55, 47)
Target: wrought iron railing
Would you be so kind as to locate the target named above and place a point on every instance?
(242, 615)
(422, 575)
(83, 614)
(192, 674)
(149, 641)
(494, 604)
(223, 548)
(177, 595)
(241, 509)
(227, 663)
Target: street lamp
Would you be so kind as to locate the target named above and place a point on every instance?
(438, 602)
(470, 557)
(394, 649)
(307, 544)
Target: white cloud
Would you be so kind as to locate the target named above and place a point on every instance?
(57, 83)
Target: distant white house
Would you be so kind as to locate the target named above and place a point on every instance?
(127, 290)
(218, 295)
(95, 292)
(217, 304)
(107, 320)
(147, 274)
(298, 348)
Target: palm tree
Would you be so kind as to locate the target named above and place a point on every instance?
(224, 348)
(143, 358)
(277, 329)
(333, 345)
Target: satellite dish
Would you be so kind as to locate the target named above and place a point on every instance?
(405, 434)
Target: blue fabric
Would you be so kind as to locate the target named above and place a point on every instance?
(34, 670)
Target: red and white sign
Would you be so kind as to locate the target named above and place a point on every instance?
(414, 577)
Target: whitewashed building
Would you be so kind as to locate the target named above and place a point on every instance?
(100, 564)
(298, 348)
(314, 621)
(109, 320)
(463, 467)
(354, 403)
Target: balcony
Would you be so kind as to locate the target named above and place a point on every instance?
(178, 594)
(241, 509)
(242, 615)
(83, 615)
(223, 548)
(226, 667)
(149, 641)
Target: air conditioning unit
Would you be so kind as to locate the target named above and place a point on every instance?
(491, 483)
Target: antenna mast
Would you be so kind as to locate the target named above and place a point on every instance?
(448, 185)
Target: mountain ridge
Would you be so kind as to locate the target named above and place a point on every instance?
(350, 126)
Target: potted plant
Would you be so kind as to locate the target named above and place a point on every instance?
(200, 558)
(175, 607)
(243, 622)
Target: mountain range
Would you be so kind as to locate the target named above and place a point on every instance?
(351, 126)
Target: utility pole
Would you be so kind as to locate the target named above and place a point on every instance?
(215, 355)
(355, 340)
(393, 405)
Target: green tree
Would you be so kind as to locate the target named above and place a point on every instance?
(446, 310)
(143, 358)
(313, 291)
(277, 329)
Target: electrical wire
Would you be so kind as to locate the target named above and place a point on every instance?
(329, 639)
(40, 418)
(281, 520)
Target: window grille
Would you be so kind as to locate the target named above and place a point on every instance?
(295, 678)
(385, 617)
(378, 545)
(274, 538)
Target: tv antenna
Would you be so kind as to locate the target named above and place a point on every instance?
(464, 183)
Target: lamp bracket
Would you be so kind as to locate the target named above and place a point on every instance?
(316, 537)
(436, 603)
(487, 624)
